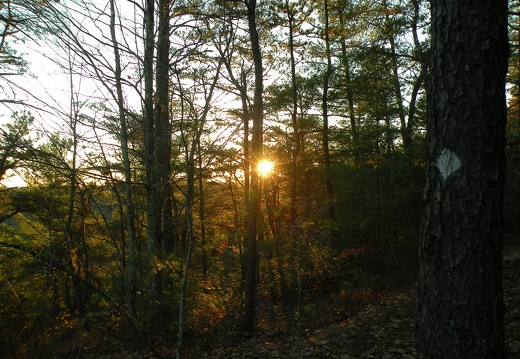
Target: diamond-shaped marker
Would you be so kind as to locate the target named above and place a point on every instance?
(448, 163)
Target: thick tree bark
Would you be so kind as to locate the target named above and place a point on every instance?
(163, 130)
(160, 186)
(460, 306)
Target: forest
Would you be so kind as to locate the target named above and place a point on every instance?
(178, 172)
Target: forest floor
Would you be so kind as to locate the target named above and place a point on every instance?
(381, 328)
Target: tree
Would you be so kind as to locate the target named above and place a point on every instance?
(130, 282)
(256, 156)
(14, 142)
(15, 147)
(460, 306)
(293, 16)
(18, 20)
(345, 14)
(153, 205)
(158, 149)
(325, 112)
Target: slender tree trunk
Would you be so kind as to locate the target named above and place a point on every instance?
(294, 122)
(295, 152)
(420, 80)
(325, 110)
(190, 186)
(70, 232)
(395, 73)
(152, 210)
(348, 85)
(350, 98)
(255, 190)
(129, 205)
(460, 306)
(246, 116)
(202, 213)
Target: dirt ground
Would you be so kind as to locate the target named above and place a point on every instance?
(381, 329)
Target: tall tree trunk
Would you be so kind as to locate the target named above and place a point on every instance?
(152, 210)
(348, 83)
(460, 306)
(325, 110)
(294, 123)
(130, 280)
(162, 147)
(295, 152)
(70, 232)
(202, 213)
(246, 117)
(190, 189)
(255, 189)
(419, 81)
(163, 129)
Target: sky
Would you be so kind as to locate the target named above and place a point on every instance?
(49, 88)
(46, 88)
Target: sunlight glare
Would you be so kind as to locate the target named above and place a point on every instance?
(265, 168)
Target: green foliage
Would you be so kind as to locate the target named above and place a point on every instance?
(15, 142)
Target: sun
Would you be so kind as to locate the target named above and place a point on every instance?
(265, 168)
